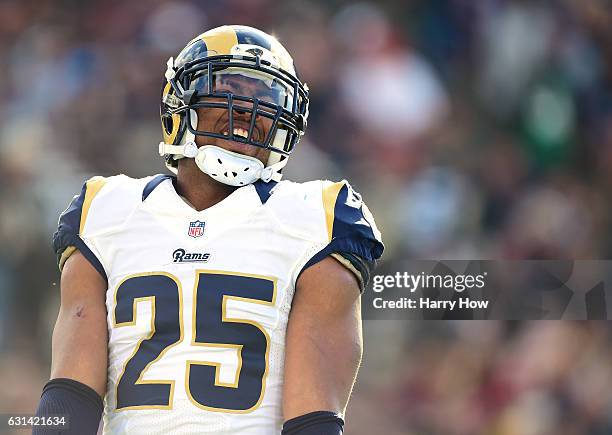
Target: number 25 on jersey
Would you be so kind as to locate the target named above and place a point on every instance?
(212, 329)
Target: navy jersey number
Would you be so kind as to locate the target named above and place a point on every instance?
(247, 337)
(212, 328)
(164, 295)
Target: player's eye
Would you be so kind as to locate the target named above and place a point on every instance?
(266, 95)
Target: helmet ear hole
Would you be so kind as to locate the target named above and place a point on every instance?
(171, 124)
(167, 123)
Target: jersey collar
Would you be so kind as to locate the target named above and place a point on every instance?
(160, 194)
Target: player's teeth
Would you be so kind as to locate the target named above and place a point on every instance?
(240, 132)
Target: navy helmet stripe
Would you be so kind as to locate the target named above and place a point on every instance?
(247, 36)
(196, 50)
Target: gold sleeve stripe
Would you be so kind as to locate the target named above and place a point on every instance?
(220, 41)
(93, 187)
(65, 255)
(330, 194)
(343, 261)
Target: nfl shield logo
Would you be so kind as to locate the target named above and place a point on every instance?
(196, 229)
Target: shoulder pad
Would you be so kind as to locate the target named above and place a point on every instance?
(102, 206)
(298, 208)
(332, 214)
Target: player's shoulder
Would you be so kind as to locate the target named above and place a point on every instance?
(118, 187)
(305, 193)
(102, 206)
(332, 214)
(323, 208)
(309, 193)
(103, 203)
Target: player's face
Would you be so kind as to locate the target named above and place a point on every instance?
(217, 120)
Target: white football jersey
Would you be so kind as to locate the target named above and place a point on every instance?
(198, 301)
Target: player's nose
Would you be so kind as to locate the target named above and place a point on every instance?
(242, 116)
(242, 113)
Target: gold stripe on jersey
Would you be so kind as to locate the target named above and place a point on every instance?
(224, 318)
(330, 195)
(162, 353)
(93, 187)
(350, 267)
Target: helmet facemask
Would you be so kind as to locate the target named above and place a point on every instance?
(265, 106)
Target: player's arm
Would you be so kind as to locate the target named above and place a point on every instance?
(323, 349)
(80, 345)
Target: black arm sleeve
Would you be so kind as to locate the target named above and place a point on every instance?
(314, 423)
(80, 403)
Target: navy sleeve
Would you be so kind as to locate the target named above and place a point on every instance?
(79, 403)
(67, 238)
(353, 235)
(315, 423)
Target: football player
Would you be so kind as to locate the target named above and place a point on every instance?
(219, 299)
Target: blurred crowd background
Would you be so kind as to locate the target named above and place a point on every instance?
(473, 129)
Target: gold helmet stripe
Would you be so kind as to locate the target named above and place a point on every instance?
(166, 90)
(220, 40)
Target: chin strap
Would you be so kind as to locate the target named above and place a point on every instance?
(225, 166)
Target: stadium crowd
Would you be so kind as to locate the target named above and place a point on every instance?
(472, 130)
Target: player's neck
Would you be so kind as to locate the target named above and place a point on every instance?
(199, 189)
